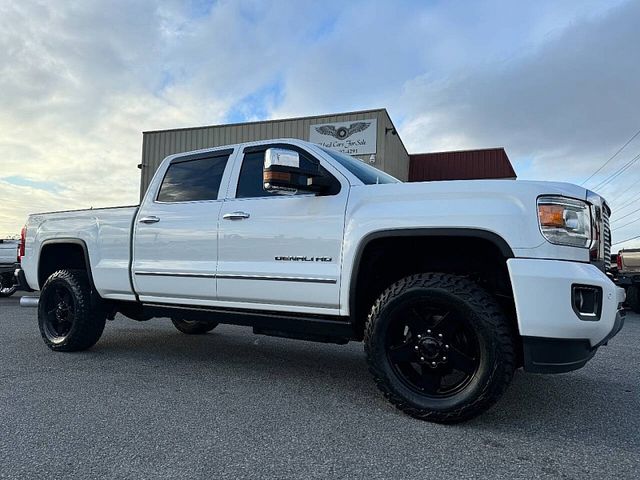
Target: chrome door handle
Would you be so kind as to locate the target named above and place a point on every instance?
(235, 216)
(149, 219)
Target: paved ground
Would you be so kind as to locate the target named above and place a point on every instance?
(149, 402)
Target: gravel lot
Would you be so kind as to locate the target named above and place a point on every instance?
(150, 402)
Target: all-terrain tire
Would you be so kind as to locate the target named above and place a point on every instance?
(68, 319)
(496, 361)
(633, 298)
(193, 327)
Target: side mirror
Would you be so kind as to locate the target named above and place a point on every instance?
(283, 174)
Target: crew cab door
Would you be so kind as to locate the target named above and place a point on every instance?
(175, 240)
(279, 252)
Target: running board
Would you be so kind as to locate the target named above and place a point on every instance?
(304, 327)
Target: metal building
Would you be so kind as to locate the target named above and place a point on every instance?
(368, 135)
(461, 165)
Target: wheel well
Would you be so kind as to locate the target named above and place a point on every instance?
(388, 259)
(58, 256)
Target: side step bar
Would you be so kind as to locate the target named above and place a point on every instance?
(29, 302)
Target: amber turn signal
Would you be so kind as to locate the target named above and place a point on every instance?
(282, 176)
(551, 215)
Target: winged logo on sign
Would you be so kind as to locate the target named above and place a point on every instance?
(342, 132)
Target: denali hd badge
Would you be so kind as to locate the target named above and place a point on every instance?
(303, 259)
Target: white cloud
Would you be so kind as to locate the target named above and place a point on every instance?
(79, 81)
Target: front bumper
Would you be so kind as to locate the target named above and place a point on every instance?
(557, 355)
(555, 337)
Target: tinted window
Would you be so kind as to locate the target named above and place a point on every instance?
(192, 180)
(366, 173)
(250, 182)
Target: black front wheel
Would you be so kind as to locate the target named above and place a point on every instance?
(439, 347)
(68, 319)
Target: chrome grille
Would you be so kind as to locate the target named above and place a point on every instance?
(606, 237)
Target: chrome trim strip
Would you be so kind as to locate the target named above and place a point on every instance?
(278, 279)
(176, 274)
(238, 277)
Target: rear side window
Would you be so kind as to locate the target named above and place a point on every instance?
(193, 180)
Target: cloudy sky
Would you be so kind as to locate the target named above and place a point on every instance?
(556, 83)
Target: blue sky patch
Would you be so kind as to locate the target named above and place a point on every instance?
(259, 104)
(21, 181)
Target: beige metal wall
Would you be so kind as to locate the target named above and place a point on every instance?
(391, 156)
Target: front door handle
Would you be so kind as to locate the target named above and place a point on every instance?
(149, 219)
(236, 216)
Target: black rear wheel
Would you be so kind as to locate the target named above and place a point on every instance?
(7, 285)
(439, 347)
(193, 327)
(68, 319)
(633, 298)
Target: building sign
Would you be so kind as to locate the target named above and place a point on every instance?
(355, 138)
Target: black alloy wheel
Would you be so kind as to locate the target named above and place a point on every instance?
(60, 313)
(433, 349)
(7, 285)
(193, 327)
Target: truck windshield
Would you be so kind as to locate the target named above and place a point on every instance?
(366, 174)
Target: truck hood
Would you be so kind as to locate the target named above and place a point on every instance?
(506, 187)
(507, 208)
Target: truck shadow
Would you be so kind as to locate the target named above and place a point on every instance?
(559, 408)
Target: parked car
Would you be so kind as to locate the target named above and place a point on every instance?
(8, 255)
(451, 285)
(628, 276)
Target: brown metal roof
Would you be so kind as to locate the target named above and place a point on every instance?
(460, 165)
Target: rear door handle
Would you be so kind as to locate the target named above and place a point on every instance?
(236, 216)
(149, 219)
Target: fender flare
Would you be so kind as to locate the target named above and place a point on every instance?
(67, 241)
(458, 232)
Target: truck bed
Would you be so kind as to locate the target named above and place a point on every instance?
(8, 252)
(630, 261)
(104, 232)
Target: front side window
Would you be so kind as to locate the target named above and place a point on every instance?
(193, 180)
(250, 182)
(365, 173)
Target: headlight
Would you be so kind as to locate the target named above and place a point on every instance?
(565, 221)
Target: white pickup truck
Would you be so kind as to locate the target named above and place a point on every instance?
(451, 285)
